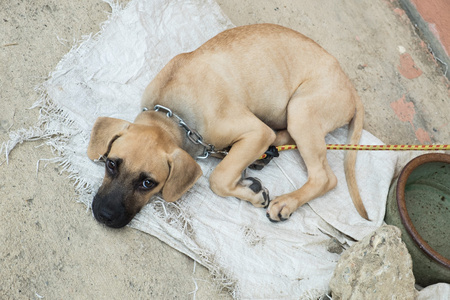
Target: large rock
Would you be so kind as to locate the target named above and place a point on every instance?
(377, 267)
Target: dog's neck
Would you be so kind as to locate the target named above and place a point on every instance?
(174, 131)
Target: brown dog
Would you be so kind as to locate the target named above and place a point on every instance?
(247, 88)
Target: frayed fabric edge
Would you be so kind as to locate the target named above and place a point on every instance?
(55, 138)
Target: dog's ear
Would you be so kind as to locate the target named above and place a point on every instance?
(184, 172)
(105, 131)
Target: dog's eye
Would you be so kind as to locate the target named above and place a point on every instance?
(111, 165)
(148, 184)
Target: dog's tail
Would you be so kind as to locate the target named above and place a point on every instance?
(354, 135)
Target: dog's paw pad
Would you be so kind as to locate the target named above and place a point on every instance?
(262, 194)
(280, 210)
(265, 194)
(280, 218)
(252, 183)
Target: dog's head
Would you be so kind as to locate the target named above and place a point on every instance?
(140, 161)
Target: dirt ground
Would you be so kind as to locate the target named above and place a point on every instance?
(50, 245)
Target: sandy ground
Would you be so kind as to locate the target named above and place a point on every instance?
(50, 245)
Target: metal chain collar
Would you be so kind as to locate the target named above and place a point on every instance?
(191, 134)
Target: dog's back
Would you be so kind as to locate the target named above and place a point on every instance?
(238, 63)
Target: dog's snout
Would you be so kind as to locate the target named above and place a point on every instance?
(110, 211)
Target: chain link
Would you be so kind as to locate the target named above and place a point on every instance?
(191, 134)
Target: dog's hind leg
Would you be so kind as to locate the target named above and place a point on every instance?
(308, 124)
(226, 179)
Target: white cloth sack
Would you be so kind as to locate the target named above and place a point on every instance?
(250, 256)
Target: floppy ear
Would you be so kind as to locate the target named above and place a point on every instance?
(184, 172)
(105, 130)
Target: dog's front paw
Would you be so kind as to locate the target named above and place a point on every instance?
(281, 209)
(261, 197)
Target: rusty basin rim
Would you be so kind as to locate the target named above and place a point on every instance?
(401, 203)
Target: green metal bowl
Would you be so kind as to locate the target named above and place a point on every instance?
(419, 204)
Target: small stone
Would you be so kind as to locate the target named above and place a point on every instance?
(377, 267)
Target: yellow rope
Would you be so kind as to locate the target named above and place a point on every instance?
(370, 147)
(387, 147)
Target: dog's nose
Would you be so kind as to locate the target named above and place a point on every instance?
(110, 212)
(107, 215)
